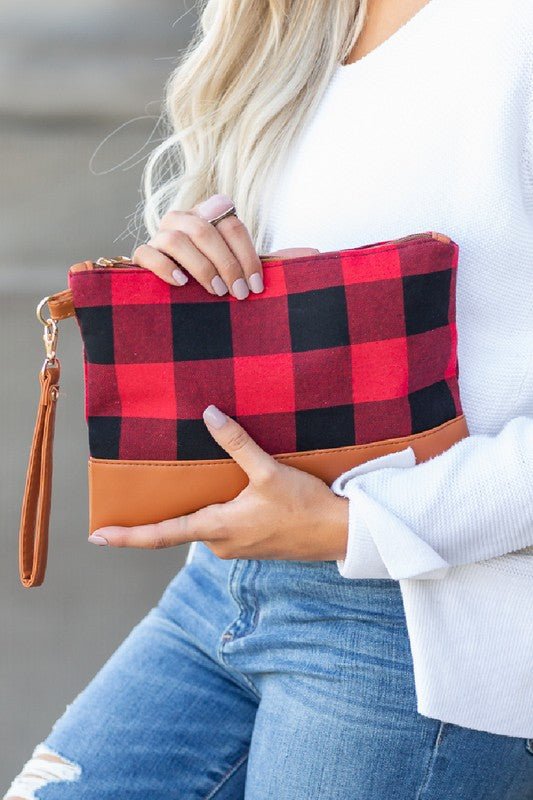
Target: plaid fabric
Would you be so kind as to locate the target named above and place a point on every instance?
(341, 348)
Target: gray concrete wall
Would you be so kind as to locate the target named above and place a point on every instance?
(71, 73)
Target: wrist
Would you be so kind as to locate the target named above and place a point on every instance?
(338, 519)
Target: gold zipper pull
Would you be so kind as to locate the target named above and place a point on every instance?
(111, 262)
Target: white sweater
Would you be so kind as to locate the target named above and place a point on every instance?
(433, 130)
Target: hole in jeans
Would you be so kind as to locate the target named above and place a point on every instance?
(44, 767)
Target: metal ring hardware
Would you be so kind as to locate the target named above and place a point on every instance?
(224, 214)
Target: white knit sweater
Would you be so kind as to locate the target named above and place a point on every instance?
(433, 130)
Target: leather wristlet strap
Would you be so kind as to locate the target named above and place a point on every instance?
(33, 537)
(36, 504)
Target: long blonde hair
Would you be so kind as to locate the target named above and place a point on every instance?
(252, 75)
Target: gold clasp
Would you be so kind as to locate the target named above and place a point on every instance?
(50, 340)
(112, 262)
(50, 336)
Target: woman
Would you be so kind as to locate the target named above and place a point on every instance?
(371, 641)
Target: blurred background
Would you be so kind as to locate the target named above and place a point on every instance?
(81, 88)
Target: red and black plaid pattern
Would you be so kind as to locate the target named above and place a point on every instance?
(341, 348)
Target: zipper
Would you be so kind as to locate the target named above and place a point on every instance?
(441, 237)
(116, 262)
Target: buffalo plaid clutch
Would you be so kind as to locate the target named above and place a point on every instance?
(344, 356)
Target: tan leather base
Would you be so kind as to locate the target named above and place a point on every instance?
(127, 492)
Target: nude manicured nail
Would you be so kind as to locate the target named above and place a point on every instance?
(214, 416)
(219, 286)
(240, 289)
(180, 277)
(95, 538)
(255, 282)
(214, 205)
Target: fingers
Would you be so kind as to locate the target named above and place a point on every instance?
(214, 256)
(237, 442)
(160, 264)
(238, 239)
(221, 257)
(179, 248)
(293, 252)
(206, 523)
(236, 236)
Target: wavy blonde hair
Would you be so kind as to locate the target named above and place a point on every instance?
(252, 75)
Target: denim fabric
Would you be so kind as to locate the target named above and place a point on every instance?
(279, 680)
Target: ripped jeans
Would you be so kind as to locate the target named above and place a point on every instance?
(276, 680)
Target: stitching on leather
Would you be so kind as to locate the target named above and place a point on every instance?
(61, 305)
(229, 461)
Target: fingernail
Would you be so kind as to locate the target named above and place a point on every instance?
(219, 286)
(95, 538)
(240, 289)
(214, 416)
(255, 282)
(214, 205)
(179, 277)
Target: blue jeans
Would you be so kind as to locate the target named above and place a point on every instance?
(275, 680)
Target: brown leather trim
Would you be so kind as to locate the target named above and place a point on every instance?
(82, 266)
(441, 237)
(35, 514)
(61, 305)
(128, 492)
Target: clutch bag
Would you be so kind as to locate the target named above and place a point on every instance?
(345, 356)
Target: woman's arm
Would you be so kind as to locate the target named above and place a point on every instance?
(471, 503)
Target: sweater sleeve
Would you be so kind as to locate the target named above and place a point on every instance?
(471, 503)
(528, 147)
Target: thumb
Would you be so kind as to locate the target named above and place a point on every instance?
(293, 252)
(238, 444)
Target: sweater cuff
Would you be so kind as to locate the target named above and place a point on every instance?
(362, 559)
(379, 544)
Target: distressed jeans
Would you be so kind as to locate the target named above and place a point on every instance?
(269, 680)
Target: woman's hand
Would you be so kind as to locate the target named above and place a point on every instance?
(283, 512)
(221, 257)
